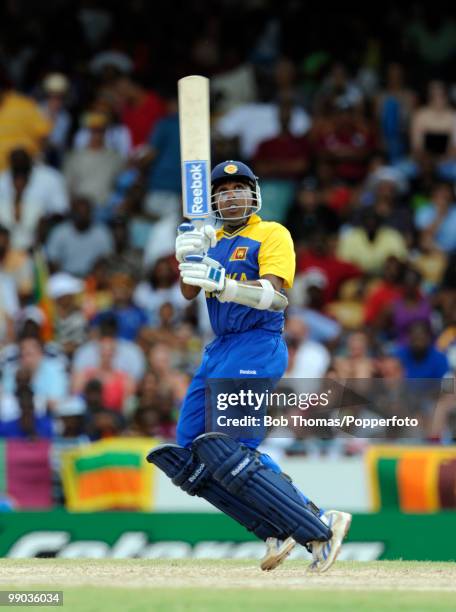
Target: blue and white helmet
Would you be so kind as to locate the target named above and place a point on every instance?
(235, 171)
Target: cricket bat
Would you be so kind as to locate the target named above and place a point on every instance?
(195, 147)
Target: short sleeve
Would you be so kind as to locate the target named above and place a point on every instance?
(277, 255)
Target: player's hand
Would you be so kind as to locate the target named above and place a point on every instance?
(192, 241)
(203, 272)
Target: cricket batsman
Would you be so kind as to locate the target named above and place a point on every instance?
(243, 267)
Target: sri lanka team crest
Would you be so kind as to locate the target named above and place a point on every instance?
(239, 254)
(230, 169)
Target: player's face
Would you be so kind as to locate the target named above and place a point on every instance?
(233, 200)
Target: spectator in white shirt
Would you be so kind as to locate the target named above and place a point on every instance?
(29, 191)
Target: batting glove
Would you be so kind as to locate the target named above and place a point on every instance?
(192, 241)
(203, 272)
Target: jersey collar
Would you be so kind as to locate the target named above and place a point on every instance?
(251, 221)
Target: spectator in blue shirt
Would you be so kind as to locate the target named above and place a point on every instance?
(28, 425)
(129, 317)
(437, 219)
(419, 357)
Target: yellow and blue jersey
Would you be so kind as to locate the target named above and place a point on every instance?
(256, 249)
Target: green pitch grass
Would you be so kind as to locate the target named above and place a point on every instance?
(223, 586)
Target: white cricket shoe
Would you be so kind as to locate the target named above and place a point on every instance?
(325, 553)
(276, 552)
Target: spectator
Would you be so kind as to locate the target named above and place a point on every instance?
(337, 87)
(437, 219)
(163, 157)
(100, 422)
(48, 377)
(128, 357)
(117, 385)
(433, 128)
(419, 357)
(28, 425)
(309, 214)
(308, 359)
(91, 172)
(344, 141)
(17, 264)
(29, 191)
(256, 122)
(381, 295)
(357, 363)
(71, 419)
(319, 256)
(284, 156)
(411, 307)
(55, 88)
(117, 136)
(394, 107)
(9, 307)
(130, 317)
(371, 243)
(140, 108)
(307, 302)
(75, 246)
(69, 322)
(161, 287)
(22, 124)
(125, 256)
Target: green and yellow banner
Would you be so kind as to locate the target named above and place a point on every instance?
(109, 474)
(412, 479)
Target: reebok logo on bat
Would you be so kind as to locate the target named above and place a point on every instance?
(196, 188)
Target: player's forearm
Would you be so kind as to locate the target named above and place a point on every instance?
(260, 294)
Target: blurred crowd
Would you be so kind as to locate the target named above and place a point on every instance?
(355, 149)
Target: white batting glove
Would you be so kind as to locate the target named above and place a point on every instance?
(192, 241)
(203, 272)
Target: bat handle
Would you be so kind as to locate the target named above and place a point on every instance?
(185, 227)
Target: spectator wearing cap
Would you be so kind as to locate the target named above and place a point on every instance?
(69, 322)
(309, 214)
(70, 413)
(55, 88)
(92, 171)
(75, 245)
(284, 156)
(28, 191)
(22, 123)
